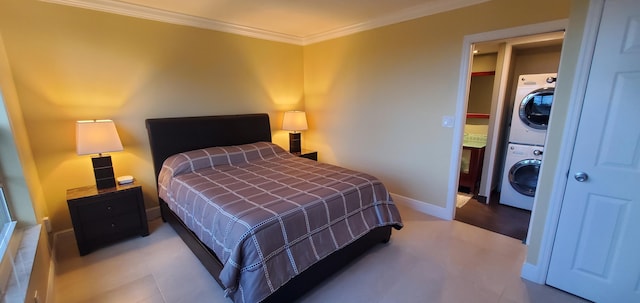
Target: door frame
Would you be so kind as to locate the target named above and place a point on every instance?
(538, 272)
(463, 97)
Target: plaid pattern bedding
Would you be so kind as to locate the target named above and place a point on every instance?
(267, 214)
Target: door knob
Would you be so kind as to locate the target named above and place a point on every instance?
(581, 176)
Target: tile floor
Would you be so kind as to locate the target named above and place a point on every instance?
(430, 260)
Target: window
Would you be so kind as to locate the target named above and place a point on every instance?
(5, 217)
(7, 226)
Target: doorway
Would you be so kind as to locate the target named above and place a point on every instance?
(495, 66)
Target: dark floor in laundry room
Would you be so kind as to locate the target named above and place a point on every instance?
(502, 219)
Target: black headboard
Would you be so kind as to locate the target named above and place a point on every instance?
(169, 136)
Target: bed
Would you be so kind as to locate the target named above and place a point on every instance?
(256, 253)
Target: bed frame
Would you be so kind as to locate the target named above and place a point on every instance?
(168, 136)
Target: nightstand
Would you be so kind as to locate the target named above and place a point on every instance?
(101, 217)
(309, 154)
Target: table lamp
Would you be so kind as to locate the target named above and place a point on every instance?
(294, 121)
(98, 137)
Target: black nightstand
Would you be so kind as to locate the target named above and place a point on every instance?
(105, 216)
(309, 154)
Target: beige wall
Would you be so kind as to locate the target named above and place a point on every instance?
(18, 168)
(480, 93)
(375, 99)
(26, 199)
(536, 60)
(484, 63)
(70, 64)
(481, 87)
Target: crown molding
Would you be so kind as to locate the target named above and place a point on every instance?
(411, 13)
(143, 12)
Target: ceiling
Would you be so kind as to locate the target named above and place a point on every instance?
(292, 21)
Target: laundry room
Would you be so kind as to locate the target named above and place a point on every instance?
(493, 114)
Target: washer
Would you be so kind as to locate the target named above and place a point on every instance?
(531, 108)
(520, 177)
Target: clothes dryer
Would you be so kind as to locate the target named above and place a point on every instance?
(531, 108)
(520, 177)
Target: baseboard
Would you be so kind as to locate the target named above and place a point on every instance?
(51, 278)
(61, 233)
(532, 273)
(423, 207)
(153, 213)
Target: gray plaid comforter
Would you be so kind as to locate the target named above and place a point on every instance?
(268, 215)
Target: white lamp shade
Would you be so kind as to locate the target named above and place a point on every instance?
(294, 121)
(96, 137)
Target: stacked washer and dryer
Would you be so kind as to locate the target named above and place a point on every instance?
(531, 110)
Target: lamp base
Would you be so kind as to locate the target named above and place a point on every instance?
(294, 143)
(103, 171)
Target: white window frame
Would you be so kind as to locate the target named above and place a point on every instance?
(7, 228)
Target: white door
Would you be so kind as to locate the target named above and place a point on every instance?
(596, 253)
